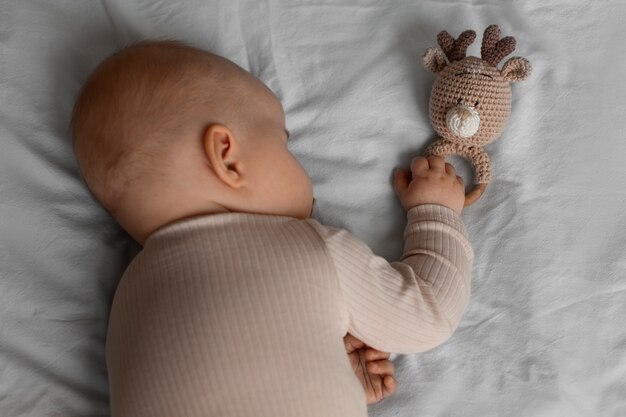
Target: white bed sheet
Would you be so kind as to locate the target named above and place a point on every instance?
(544, 333)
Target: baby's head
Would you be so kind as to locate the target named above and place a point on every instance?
(163, 131)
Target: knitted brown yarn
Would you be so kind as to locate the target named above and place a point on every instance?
(492, 49)
(471, 81)
(455, 50)
(470, 87)
(475, 154)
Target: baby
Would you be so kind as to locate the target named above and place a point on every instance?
(239, 302)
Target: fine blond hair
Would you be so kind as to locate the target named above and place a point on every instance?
(137, 104)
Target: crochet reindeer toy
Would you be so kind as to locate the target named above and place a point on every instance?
(470, 101)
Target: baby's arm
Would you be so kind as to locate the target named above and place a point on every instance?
(415, 304)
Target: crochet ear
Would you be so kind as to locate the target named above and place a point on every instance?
(434, 59)
(516, 69)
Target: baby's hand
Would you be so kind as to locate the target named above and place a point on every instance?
(372, 367)
(431, 181)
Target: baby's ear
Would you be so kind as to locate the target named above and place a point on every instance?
(221, 149)
(434, 60)
(516, 69)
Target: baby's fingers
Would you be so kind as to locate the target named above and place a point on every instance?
(400, 181)
(383, 367)
(390, 386)
(351, 343)
(375, 355)
(420, 164)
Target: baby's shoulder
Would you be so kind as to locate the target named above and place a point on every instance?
(322, 229)
(334, 236)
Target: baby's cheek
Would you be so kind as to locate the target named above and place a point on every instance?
(302, 191)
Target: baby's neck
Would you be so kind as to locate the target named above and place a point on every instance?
(144, 217)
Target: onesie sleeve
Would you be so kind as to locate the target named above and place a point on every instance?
(416, 303)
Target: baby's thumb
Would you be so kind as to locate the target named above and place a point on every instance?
(400, 181)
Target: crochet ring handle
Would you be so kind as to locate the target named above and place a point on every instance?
(475, 194)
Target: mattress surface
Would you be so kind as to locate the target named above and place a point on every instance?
(543, 334)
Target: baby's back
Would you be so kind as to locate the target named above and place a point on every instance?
(231, 315)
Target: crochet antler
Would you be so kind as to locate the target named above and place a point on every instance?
(493, 48)
(455, 49)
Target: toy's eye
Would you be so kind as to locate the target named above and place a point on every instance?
(477, 103)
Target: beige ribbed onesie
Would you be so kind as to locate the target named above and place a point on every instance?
(244, 315)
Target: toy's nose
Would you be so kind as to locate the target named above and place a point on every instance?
(463, 121)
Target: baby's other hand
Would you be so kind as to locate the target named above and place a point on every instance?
(372, 367)
(431, 181)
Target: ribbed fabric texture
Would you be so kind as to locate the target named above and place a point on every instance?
(244, 315)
